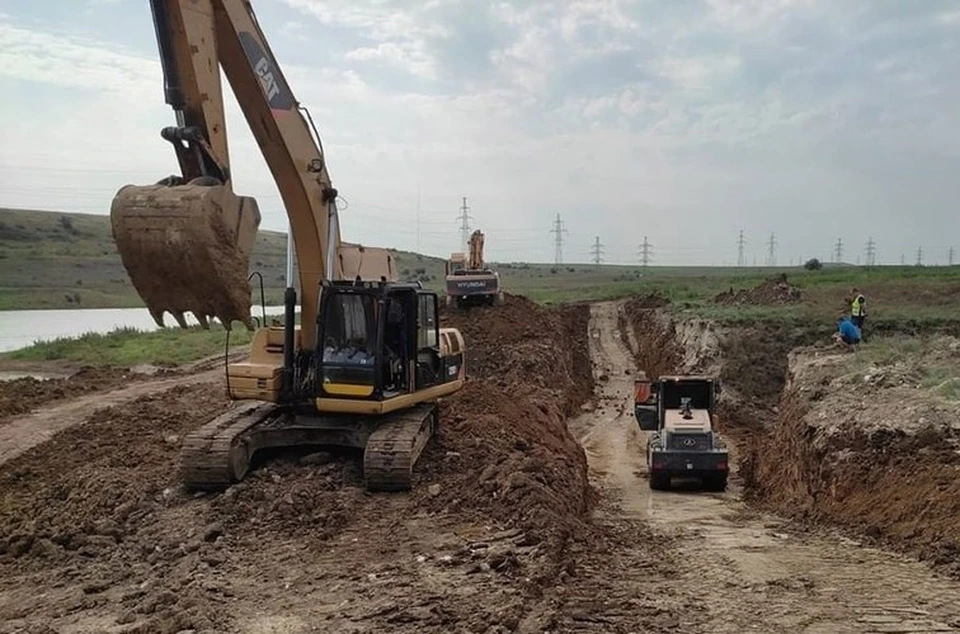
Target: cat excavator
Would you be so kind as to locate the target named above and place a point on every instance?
(369, 361)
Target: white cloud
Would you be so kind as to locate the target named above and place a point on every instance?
(679, 120)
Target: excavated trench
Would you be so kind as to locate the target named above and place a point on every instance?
(787, 547)
(824, 437)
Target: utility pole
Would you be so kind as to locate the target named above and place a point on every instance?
(772, 251)
(871, 252)
(740, 260)
(950, 257)
(559, 230)
(597, 251)
(838, 251)
(919, 256)
(645, 252)
(465, 218)
(418, 218)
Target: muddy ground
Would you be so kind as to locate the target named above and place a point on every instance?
(96, 535)
(531, 510)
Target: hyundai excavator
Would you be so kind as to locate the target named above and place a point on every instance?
(369, 361)
(469, 281)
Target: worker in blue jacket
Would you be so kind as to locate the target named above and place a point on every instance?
(847, 330)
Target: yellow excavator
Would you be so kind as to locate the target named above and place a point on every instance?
(469, 281)
(369, 361)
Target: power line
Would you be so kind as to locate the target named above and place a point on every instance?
(838, 251)
(740, 243)
(465, 218)
(559, 230)
(871, 252)
(645, 252)
(772, 250)
(596, 251)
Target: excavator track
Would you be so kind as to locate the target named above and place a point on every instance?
(219, 453)
(395, 446)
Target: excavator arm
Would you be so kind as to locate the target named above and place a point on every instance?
(476, 251)
(186, 241)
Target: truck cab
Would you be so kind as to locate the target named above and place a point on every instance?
(679, 414)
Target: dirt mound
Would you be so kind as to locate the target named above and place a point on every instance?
(97, 518)
(870, 444)
(21, 396)
(95, 502)
(503, 447)
(775, 290)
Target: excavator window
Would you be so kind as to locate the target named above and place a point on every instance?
(349, 331)
(428, 344)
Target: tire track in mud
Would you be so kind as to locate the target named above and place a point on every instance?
(740, 571)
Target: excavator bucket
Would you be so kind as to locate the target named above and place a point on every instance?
(187, 249)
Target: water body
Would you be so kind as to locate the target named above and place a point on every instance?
(22, 328)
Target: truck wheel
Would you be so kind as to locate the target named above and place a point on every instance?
(715, 483)
(660, 481)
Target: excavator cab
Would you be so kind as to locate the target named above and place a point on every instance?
(381, 340)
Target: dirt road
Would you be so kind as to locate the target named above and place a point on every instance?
(742, 571)
(20, 434)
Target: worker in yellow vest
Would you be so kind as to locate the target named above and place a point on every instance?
(858, 309)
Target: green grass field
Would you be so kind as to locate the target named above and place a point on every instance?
(128, 347)
(53, 260)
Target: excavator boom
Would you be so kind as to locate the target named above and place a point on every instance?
(186, 241)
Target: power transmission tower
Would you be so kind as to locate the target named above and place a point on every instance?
(772, 250)
(645, 252)
(597, 251)
(903, 260)
(559, 230)
(919, 256)
(871, 251)
(950, 257)
(740, 243)
(838, 251)
(465, 218)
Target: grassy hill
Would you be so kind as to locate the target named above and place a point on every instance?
(67, 260)
(61, 260)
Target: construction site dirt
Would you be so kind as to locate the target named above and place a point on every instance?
(530, 512)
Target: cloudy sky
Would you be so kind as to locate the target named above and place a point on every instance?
(681, 120)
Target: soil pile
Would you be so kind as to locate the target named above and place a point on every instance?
(775, 290)
(21, 396)
(870, 443)
(95, 502)
(504, 448)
